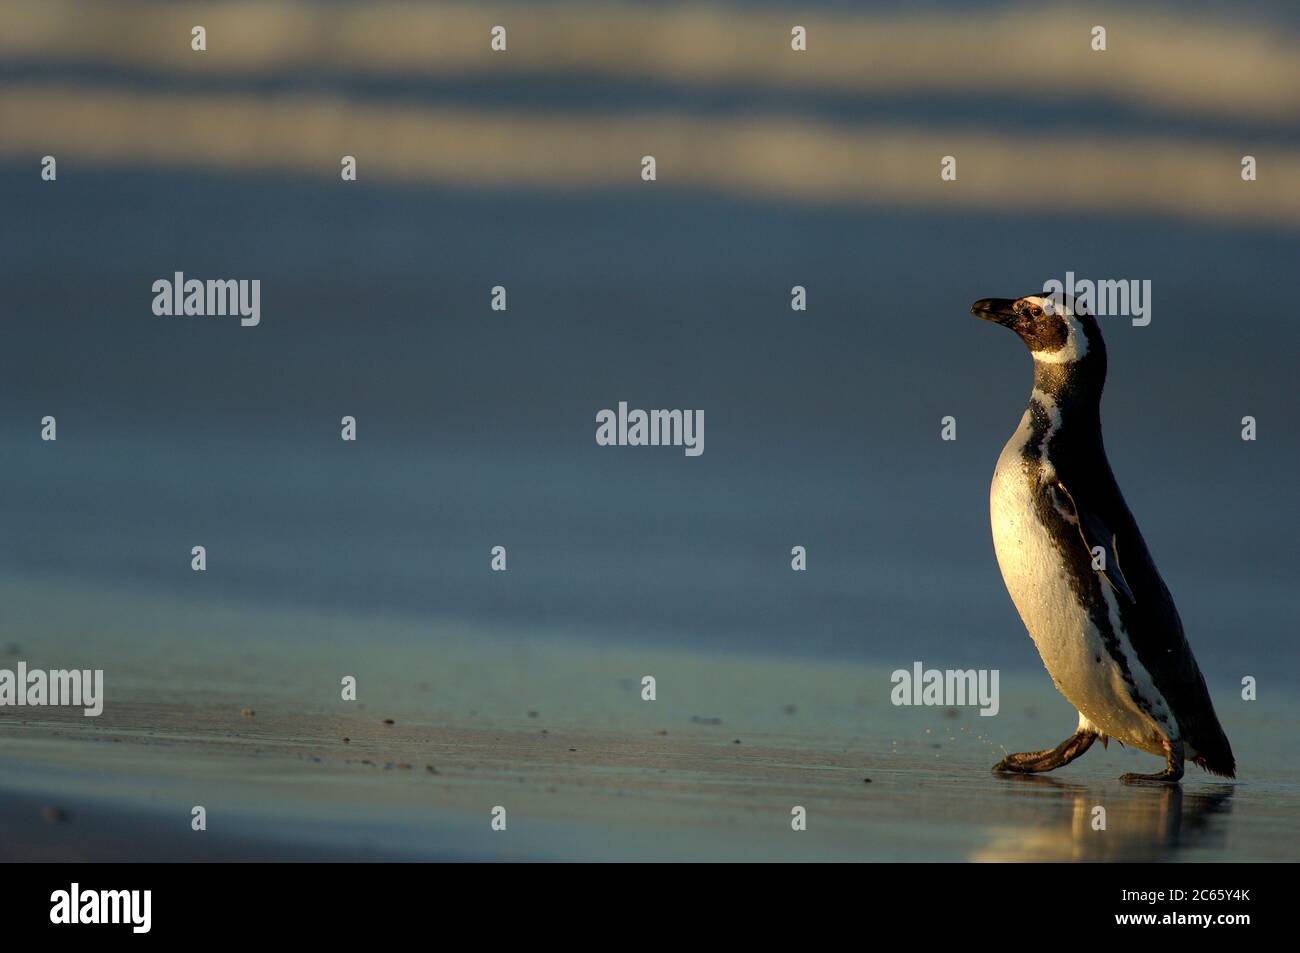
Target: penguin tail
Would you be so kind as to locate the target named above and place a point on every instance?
(1202, 732)
(1213, 753)
(1225, 765)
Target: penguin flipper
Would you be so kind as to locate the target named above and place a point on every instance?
(1155, 630)
(1095, 534)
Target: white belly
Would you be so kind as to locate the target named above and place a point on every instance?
(1069, 643)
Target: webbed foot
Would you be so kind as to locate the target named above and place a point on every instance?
(1032, 762)
(1172, 774)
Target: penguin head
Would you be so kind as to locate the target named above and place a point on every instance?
(1048, 324)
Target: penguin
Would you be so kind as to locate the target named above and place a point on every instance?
(1078, 570)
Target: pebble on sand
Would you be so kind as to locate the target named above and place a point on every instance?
(247, 712)
(346, 740)
(389, 721)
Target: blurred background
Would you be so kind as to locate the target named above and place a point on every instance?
(522, 169)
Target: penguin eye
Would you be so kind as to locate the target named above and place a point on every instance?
(1037, 311)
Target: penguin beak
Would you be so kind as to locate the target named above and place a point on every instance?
(997, 310)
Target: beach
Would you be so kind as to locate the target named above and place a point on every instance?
(247, 721)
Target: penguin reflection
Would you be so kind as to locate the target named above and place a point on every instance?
(1155, 826)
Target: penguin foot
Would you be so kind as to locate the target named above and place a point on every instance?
(1032, 762)
(1163, 777)
(1172, 774)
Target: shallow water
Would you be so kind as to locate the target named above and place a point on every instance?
(476, 430)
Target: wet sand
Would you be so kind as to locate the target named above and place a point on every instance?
(555, 731)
